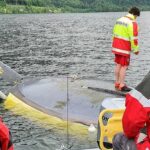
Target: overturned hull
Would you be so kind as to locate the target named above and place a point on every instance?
(144, 86)
(74, 99)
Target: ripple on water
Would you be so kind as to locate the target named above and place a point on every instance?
(58, 44)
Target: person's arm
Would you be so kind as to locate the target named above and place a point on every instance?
(5, 144)
(134, 117)
(133, 34)
(4, 135)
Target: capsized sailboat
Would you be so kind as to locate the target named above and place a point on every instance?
(54, 97)
(50, 96)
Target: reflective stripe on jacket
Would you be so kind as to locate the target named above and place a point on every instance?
(136, 117)
(125, 35)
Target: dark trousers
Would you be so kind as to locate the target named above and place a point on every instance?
(121, 142)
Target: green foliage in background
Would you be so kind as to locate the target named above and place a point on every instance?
(57, 6)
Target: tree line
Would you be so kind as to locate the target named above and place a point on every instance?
(79, 5)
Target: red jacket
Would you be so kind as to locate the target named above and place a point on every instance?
(5, 142)
(125, 34)
(136, 117)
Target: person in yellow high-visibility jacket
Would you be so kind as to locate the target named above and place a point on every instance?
(125, 34)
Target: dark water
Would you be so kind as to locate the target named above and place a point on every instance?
(60, 44)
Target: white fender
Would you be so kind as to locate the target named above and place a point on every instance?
(2, 95)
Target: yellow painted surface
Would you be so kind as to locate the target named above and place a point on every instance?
(18, 107)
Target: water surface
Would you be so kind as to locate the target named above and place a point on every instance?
(60, 44)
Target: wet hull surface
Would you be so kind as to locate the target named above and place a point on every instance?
(50, 96)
